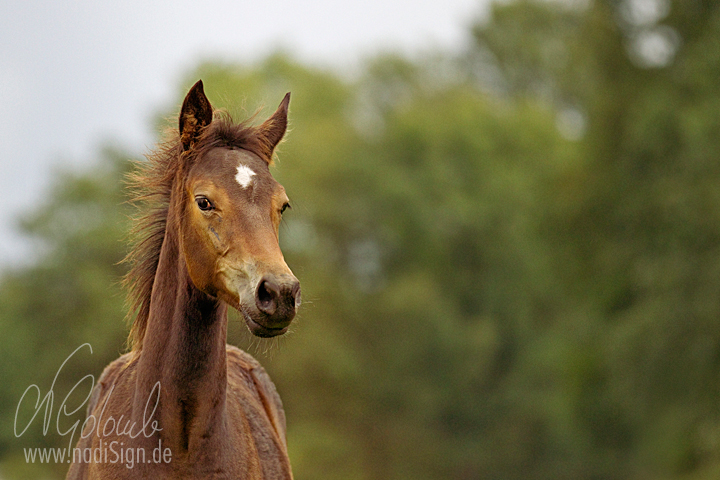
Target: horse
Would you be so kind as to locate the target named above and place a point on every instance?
(182, 403)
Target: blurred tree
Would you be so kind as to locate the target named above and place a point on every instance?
(68, 297)
(639, 224)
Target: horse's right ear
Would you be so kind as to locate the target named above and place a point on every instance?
(196, 113)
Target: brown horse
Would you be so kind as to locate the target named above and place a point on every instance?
(182, 403)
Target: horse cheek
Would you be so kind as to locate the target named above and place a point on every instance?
(200, 257)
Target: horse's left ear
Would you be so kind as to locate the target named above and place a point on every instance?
(273, 129)
(196, 113)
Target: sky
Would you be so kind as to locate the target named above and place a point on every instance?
(75, 75)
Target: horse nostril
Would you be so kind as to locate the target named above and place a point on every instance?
(278, 297)
(267, 296)
(295, 293)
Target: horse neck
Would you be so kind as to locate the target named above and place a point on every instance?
(183, 349)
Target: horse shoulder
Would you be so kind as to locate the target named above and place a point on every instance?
(107, 379)
(80, 470)
(242, 364)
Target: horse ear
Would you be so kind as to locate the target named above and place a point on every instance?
(272, 130)
(196, 113)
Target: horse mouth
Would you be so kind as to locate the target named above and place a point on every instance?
(257, 326)
(262, 331)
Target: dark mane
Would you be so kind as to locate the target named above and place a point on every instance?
(151, 185)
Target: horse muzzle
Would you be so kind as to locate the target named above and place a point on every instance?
(277, 298)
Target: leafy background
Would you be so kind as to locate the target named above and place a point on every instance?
(510, 255)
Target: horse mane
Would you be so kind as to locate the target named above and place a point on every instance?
(151, 185)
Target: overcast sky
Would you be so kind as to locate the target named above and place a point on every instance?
(77, 74)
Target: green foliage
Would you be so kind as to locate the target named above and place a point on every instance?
(69, 296)
(510, 258)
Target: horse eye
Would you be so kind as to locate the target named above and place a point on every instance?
(204, 204)
(284, 207)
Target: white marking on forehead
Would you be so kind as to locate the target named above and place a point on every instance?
(244, 175)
